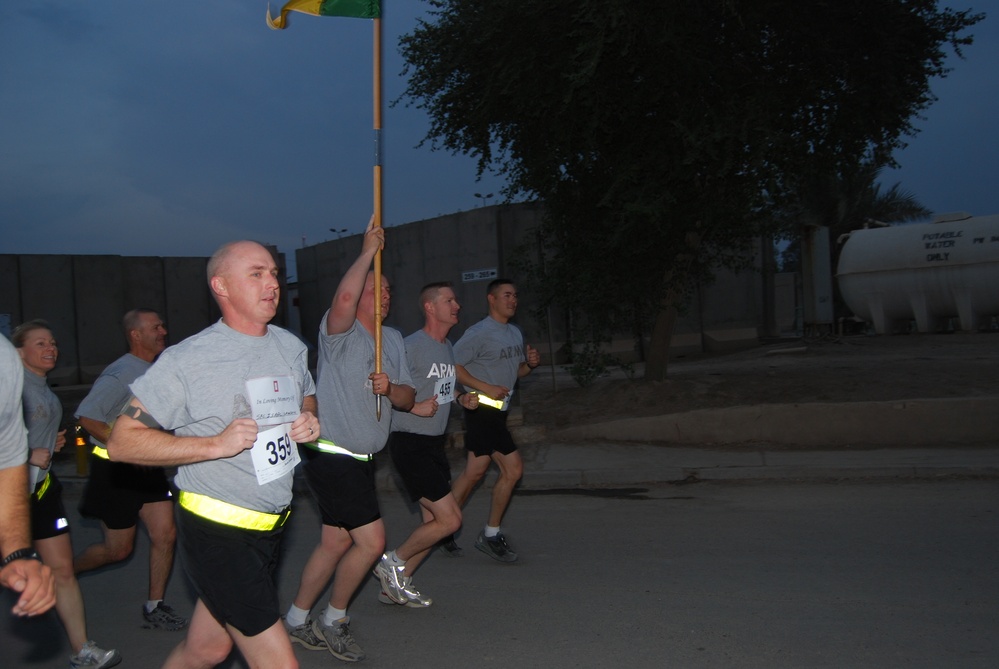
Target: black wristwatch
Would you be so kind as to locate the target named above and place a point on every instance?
(21, 554)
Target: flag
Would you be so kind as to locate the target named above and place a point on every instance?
(359, 9)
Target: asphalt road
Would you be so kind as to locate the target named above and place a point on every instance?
(776, 574)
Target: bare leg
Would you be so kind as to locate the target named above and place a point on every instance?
(321, 565)
(269, 649)
(475, 469)
(117, 545)
(440, 519)
(158, 519)
(207, 643)
(368, 543)
(511, 469)
(57, 553)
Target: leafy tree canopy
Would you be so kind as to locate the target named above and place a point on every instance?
(663, 134)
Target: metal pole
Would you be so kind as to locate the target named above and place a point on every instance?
(377, 86)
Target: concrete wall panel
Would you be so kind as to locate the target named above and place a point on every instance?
(498, 238)
(84, 298)
(144, 284)
(189, 306)
(10, 293)
(47, 292)
(98, 283)
(501, 239)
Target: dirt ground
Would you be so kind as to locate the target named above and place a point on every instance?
(859, 368)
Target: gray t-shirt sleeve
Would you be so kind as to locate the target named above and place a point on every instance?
(106, 399)
(110, 392)
(13, 437)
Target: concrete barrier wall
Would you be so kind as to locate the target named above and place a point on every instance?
(438, 249)
(498, 239)
(83, 297)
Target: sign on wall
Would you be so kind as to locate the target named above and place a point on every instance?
(478, 275)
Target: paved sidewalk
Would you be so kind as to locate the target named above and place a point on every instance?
(955, 433)
(615, 464)
(598, 464)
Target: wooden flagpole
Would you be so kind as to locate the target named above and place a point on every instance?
(378, 201)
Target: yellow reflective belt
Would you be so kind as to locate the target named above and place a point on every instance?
(326, 446)
(490, 402)
(101, 452)
(230, 514)
(40, 492)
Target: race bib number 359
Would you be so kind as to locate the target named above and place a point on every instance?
(274, 453)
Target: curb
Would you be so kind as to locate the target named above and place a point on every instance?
(922, 422)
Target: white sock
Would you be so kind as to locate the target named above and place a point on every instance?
(296, 616)
(491, 532)
(334, 615)
(152, 604)
(394, 559)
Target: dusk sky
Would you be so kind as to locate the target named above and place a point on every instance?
(137, 128)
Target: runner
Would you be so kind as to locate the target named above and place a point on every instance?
(417, 445)
(490, 357)
(236, 396)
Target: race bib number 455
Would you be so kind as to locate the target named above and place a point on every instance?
(444, 389)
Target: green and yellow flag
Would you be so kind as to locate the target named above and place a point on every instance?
(358, 9)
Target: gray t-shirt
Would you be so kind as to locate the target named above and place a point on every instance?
(491, 351)
(431, 365)
(346, 404)
(110, 393)
(198, 387)
(13, 438)
(42, 414)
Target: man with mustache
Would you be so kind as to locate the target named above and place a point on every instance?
(120, 494)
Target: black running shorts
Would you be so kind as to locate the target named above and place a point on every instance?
(422, 464)
(48, 515)
(486, 432)
(116, 491)
(232, 570)
(344, 488)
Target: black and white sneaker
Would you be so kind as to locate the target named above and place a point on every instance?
(495, 547)
(163, 618)
(449, 548)
(305, 635)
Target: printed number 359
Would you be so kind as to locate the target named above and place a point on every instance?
(279, 450)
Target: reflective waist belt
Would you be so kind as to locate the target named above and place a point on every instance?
(490, 402)
(230, 514)
(325, 446)
(101, 452)
(42, 487)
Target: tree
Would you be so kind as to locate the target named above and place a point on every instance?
(846, 202)
(662, 134)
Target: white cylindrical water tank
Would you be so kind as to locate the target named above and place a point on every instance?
(926, 272)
